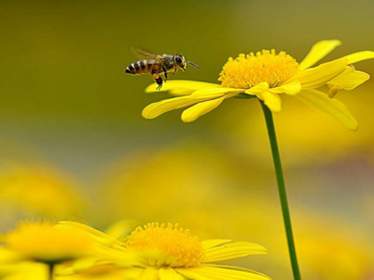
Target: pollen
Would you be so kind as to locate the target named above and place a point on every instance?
(246, 71)
(166, 245)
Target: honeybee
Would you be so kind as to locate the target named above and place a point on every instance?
(158, 65)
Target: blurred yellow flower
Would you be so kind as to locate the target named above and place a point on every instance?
(189, 182)
(170, 252)
(39, 190)
(44, 242)
(266, 75)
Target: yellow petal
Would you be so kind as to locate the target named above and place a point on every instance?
(220, 273)
(149, 273)
(122, 257)
(216, 92)
(169, 274)
(347, 80)
(207, 244)
(194, 275)
(180, 87)
(329, 106)
(359, 56)
(121, 228)
(232, 250)
(318, 76)
(233, 268)
(236, 268)
(271, 100)
(81, 265)
(289, 88)
(202, 108)
(84, 264)
(95, 234)
(259, 88)
(156, 109)
(318, 51)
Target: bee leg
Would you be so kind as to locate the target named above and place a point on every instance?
(158, 80)
(166, 75)
(175, 70)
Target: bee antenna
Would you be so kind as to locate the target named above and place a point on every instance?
(193, 64)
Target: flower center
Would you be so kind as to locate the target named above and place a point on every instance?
(166, 245)
(246, 71)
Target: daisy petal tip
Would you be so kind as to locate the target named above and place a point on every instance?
(318, 51)
(260, 250)
(359, 56)
(335, 42)
(263, 249)
(147, 117)
(193, 113)
(332, 43)
(146, 113)
(352, 126)
(330, 106)
(187, 118)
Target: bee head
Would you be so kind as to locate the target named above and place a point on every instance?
(180, 62)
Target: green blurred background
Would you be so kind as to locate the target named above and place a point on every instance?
(74, 145)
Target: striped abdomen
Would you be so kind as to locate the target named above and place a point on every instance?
(143, 66)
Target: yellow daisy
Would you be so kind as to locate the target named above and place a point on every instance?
(267, 75)
(168, 252)
(46, 243)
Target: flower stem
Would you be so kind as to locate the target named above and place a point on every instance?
(281, 190)
(51, 268)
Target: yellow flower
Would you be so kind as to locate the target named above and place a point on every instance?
(39, 190)
(267, 75)
(170, 252)
(46, 243)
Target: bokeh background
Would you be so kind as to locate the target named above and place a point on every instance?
(74, 145)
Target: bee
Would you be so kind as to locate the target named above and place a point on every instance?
(158, 65)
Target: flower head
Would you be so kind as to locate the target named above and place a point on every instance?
(267, 75)
(247, 71)
(171, 252)
(44, 242)
(166, 245)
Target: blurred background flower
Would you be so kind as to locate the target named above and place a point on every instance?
(36, 189)
(74, 145)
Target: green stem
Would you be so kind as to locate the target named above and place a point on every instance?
(51, 268)
(281, 190)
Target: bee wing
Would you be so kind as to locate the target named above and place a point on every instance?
(144, 54)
